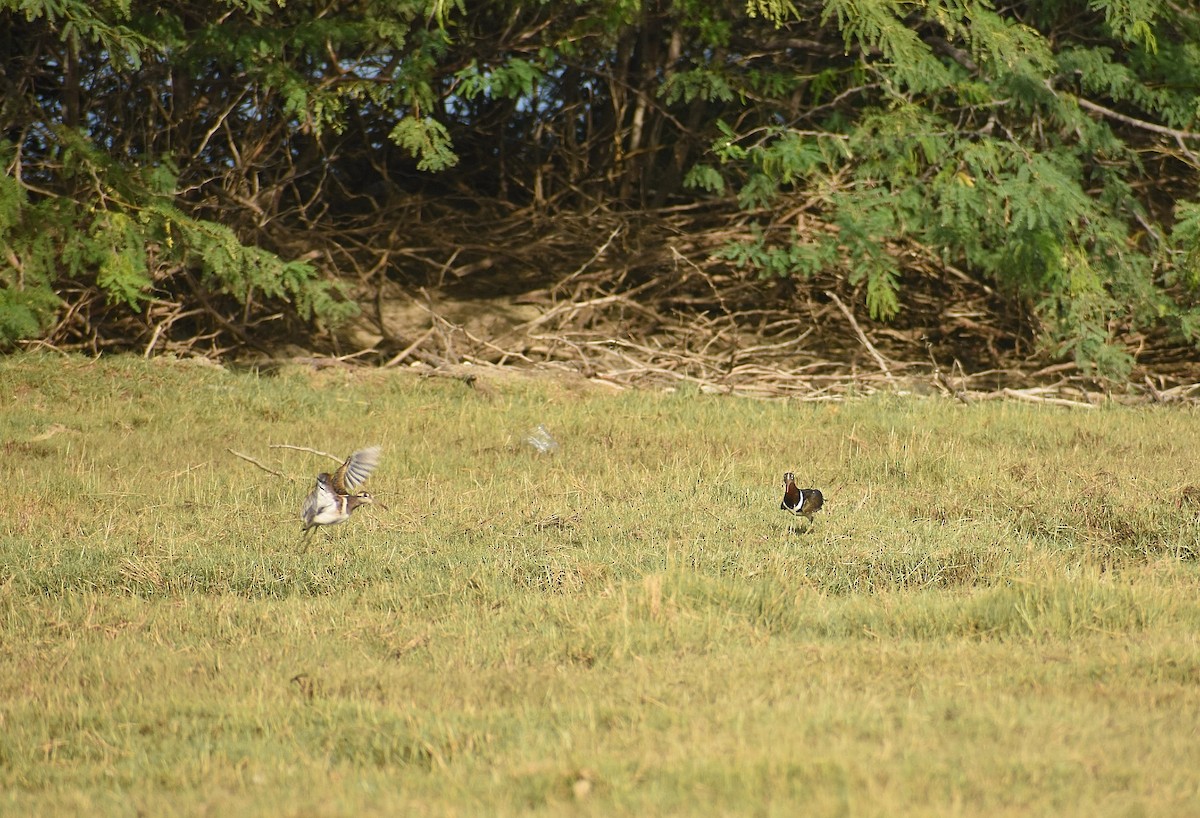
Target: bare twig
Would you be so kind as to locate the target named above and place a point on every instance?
(258, 463)
(879, 359)
(404, 353)
(1032, 397)
(599, 252)
(1152, 127)
(305, 449)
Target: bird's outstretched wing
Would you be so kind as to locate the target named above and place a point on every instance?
(355, 471)
(320, 500)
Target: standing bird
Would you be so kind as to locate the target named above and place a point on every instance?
(801, 502)
(334, 497)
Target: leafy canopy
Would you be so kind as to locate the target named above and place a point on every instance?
(172, 153)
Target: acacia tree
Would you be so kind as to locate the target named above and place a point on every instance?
(155, 152)
(1045, 146)
(166, 161)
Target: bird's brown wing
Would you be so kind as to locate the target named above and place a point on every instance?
(813, 500)
(355, 471)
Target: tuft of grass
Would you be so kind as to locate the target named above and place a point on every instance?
(996, 614)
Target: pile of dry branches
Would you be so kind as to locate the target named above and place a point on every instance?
(642, 298)
(647, 298)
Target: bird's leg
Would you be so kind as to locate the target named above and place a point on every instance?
(307, 538)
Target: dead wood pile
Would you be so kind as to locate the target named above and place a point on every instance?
(648, 299)
(627, 299)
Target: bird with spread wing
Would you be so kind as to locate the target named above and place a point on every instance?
(336, 495)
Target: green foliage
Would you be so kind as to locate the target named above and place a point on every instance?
(426, 139)
(117, 249)
(227, 266)
(792, 256)
(1186, 240)
(102, 23)
(1014, 143)
(513, 80)
(861, 221)
(700, 83)
(777, 11)
(27, 299)
(1133, 21)
(967, 144)
(705, 177)
(125, 213)
(105, 222)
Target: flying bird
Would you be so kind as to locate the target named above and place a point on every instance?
(801, 502)
(335, 496)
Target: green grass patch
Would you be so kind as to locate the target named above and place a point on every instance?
(996, 614)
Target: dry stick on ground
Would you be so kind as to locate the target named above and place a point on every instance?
(1030, 396)
(252, 461)
(879, 359)
(588, 263)
(505, 354)
(404, 353)
(679, 257)
(305, 449)
(944, 382)
(708, 323)
(573, 307)
(437, 324)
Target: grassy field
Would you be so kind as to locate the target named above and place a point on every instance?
(997, 614)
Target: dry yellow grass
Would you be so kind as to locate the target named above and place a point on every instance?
(997, 614)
